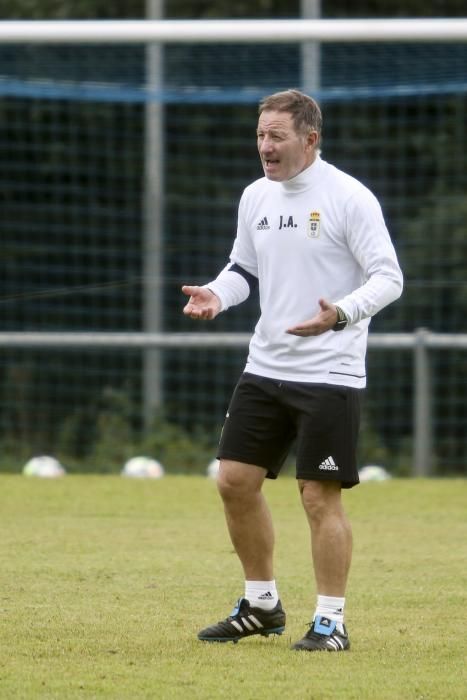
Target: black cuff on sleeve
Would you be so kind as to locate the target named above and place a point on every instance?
(250, 279)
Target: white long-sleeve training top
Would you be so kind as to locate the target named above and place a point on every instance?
(319, 235)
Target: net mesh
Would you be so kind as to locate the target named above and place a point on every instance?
(73, 144)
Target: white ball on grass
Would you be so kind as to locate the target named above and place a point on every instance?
(373, 472)
(44, 466)
(143, 468)
(213, 469)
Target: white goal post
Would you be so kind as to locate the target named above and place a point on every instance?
(234, 31)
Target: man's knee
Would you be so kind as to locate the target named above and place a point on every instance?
(320, 498)
(238, 480)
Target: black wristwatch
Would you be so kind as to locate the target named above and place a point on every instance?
(341, 322)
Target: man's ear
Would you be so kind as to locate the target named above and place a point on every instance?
(312, 139)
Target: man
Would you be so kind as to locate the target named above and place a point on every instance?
(315, 241)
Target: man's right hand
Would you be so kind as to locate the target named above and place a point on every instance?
(202, 305)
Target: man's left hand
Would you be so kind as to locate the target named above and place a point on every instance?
(324, 320)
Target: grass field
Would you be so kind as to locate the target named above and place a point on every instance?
(104, 583)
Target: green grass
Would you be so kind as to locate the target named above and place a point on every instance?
(104, 583)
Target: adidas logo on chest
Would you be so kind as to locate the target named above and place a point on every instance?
(263, 225)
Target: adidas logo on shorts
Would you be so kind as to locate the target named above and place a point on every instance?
(329, 465)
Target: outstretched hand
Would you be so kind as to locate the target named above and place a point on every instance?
(202, 304)
(324, 320)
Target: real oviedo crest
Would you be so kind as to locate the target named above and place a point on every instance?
(314, 224)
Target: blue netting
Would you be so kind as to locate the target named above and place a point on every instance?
(72, 157)
(346, 72)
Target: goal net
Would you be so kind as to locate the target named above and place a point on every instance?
(125, 147)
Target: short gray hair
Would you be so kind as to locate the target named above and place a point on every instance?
(305, 111)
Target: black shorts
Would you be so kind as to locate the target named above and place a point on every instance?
(267, 416)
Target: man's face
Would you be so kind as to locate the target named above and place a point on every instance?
(284, 153)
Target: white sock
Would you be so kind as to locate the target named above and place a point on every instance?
(261, 594)
(330, 607)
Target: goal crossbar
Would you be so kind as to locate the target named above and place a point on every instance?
(234, 31)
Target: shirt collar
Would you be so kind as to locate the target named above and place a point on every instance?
(304, 180)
